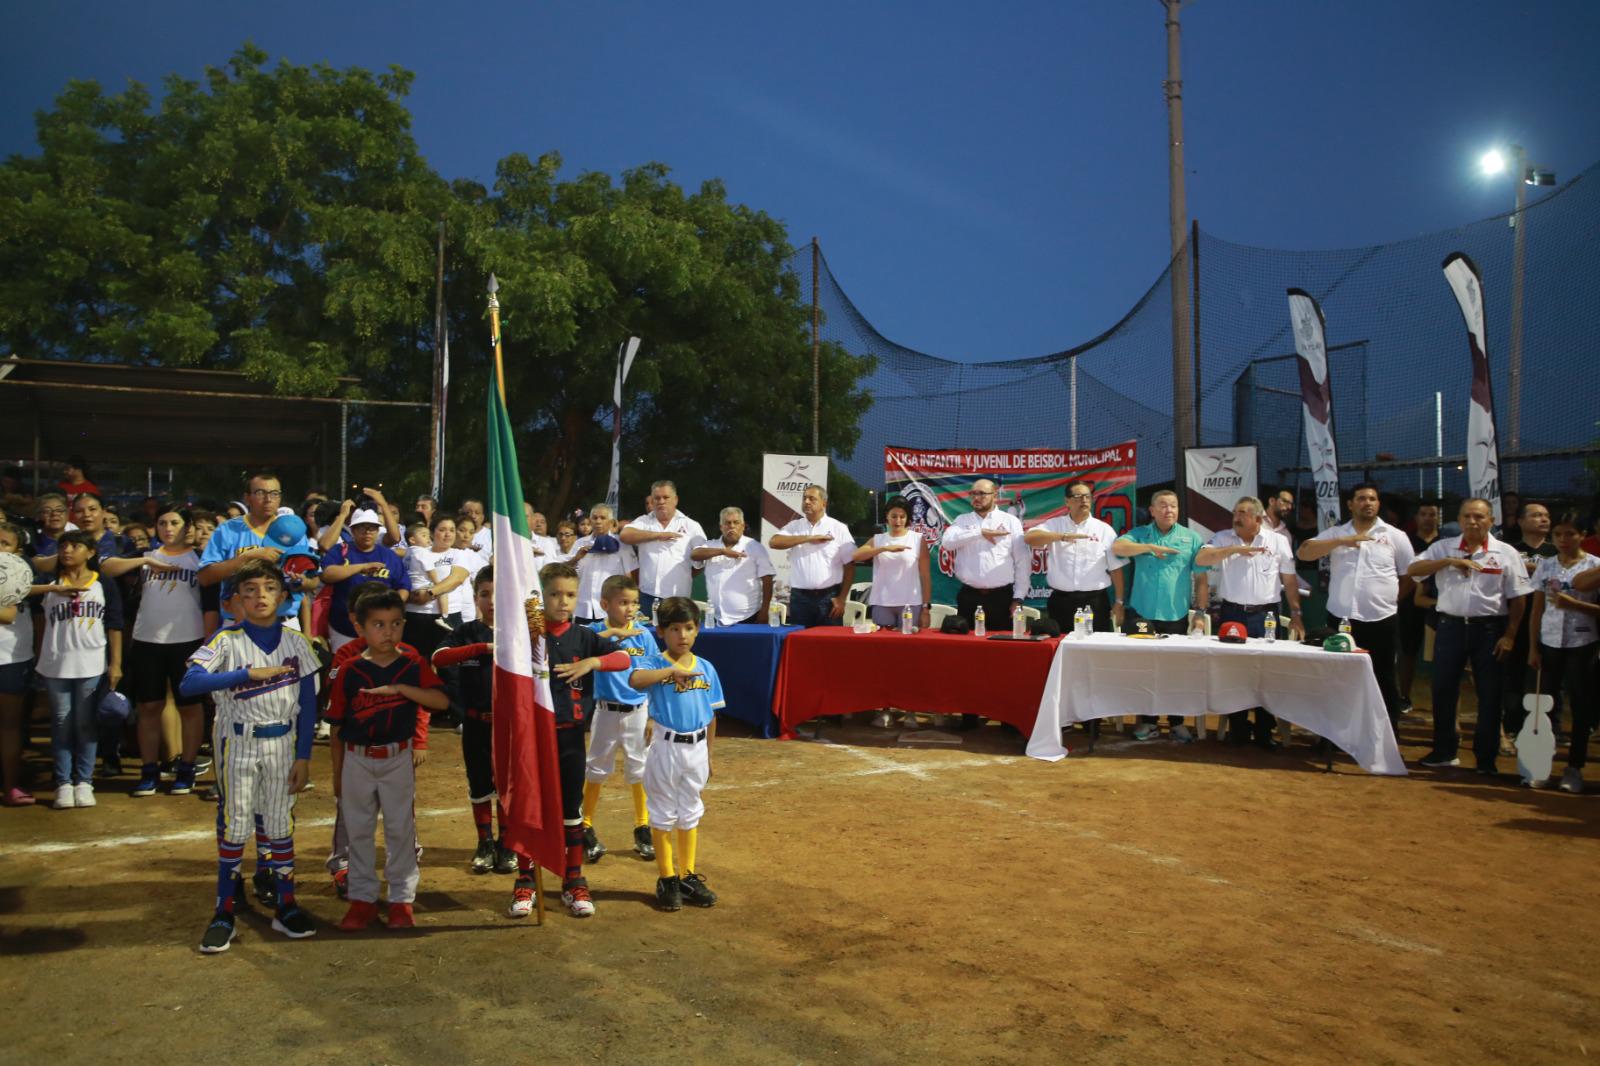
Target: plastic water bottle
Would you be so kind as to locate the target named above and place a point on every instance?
(978, 628)
(772, 617)
(1344, 626)
(1272, 627)
(711, 616)
(905, 620)
(1082, 623)
(1019, 625)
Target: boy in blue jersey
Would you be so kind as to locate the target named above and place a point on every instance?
(619, 718)
(685, 694)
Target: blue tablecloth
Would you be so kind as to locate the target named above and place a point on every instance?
(746, 658)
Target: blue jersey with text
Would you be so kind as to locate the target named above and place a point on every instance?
(688, 706)
(231, 538)
(346, 553)
(613, 686)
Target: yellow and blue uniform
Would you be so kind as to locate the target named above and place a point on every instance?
(678, 764)
(618, 721)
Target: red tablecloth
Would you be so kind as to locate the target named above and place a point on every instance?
(837, 671)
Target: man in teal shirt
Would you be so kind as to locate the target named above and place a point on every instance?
(1163, 586)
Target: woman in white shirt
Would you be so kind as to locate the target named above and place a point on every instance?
(1567, 637)
(82, 645)
(16, 678)
(900, 577)
(436, 572)
(170, 625)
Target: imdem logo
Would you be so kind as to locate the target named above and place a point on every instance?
(796, 478)
(1224, 475)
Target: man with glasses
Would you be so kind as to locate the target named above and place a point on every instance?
(992, 560)
(1083, 571)
(52, 523)
(241, 539)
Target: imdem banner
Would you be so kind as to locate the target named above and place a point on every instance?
(1483, 450)
(1316, 399)
(1032, 485)
(1216, 478)
(783, 481)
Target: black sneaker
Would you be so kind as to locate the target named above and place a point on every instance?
(643, 844)
(293, 923)
(266, 888)
(592, 848)
(505, 860)
(695, 893)
(484, 858)
(219, 934)
(669, 893)
(183, 783)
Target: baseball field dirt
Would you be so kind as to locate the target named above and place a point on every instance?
(880, 904)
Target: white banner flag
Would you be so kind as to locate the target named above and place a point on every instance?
(1483, 451)
(625, 354)
(1216, 478)
(1316, 399)
(783, 481)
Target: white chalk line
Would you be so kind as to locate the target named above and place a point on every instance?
(180, 836)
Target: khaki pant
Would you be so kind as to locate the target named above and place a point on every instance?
(368, 786)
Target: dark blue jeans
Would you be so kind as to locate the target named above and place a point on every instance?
(1456, 644)
(811, 607)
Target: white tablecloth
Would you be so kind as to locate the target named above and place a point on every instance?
(1106, 675)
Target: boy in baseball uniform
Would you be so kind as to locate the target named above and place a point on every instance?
(262, 677)
(619, 718)
(379, 709)
(685, 694)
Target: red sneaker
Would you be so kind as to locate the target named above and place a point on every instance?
(341, 883)
(359, 916)
(400, 916)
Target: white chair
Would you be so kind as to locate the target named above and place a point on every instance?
(854, 611)
(859, 591)
(937, 613)
(1030, 614)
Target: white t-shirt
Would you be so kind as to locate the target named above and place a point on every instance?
(483, 540)
(1560, 627)
(75, 631)
(897, 576)
(169, 605)
(428, 567)
(818, 566)
(734, 585)
(664, 565)
(16, 639)
(1364, 581)
(594, 568)
(462, 600)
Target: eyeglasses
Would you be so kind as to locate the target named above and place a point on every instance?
(267, 494)
(55, 511)
(977, 493)
(1079, 496)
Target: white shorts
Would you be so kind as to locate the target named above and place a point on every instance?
(674, 775)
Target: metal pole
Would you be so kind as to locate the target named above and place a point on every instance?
(344, 444)
(37, 458)
(1194, 256)
(435, 437)
(816, 348)
(1073, 388)
(1518, 244)
(1438, 445)
(1178, 212)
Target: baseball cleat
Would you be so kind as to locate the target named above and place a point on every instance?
(483, 858)
(293, 923)
(521, 902)
(694, 891)
(219, 934)
(400, 916)
(592, 848)
(669, 893)
(505, 860)
(359, 916)
(642, 843)
(577, 900)
(266, 888)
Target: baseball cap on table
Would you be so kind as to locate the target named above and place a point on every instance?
(365, 517)
(1339, 642)
(286, 531)
(1232, 633)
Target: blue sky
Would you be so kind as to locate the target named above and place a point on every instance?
(987, 181)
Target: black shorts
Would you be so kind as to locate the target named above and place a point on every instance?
(16, 678)
(477, 753)
(152, 667)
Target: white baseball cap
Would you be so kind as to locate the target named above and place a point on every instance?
(365, 518)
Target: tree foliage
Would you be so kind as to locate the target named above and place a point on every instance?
(281, 221)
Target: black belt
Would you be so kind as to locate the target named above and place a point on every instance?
(980, 588)
(684, 738)
(1250, 608)
(1477, 620)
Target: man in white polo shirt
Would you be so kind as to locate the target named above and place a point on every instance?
(596, 557)
(1367, 567)
(1483, 586)
(1082, 567)
(993, 562)
(821, 563)
(738, 573)
(663, 538)
(1254, 567)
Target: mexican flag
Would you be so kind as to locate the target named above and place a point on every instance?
(526, 770)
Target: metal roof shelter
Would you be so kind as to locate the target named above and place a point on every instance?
(170, 416)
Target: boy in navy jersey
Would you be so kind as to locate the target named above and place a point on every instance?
(573, 652)
(685, 694)
(379, 707)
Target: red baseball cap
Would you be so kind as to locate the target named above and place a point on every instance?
(1232, 633)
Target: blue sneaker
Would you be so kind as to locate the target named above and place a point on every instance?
(183, 780)
(149, 780)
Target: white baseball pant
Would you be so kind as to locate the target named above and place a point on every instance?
(674, 775)
(614, 724)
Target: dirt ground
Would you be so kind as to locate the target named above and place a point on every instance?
(1148, 903)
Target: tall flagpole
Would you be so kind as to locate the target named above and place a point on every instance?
(494, 331)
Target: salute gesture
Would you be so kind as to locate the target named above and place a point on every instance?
(995, 535)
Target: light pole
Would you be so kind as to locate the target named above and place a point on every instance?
(1494, 162)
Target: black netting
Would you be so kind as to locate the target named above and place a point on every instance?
(1395, 334)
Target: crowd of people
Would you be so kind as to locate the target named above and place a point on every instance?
(356, 622)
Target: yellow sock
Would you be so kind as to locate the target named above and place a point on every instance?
(641, 808)
(591, 800)
(688, 840)
(663, 842)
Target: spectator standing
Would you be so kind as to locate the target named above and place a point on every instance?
(664, 539)
(1083, 571)
(821, 563)
(739, 573)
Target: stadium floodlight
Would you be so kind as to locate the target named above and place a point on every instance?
(1493, 162)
